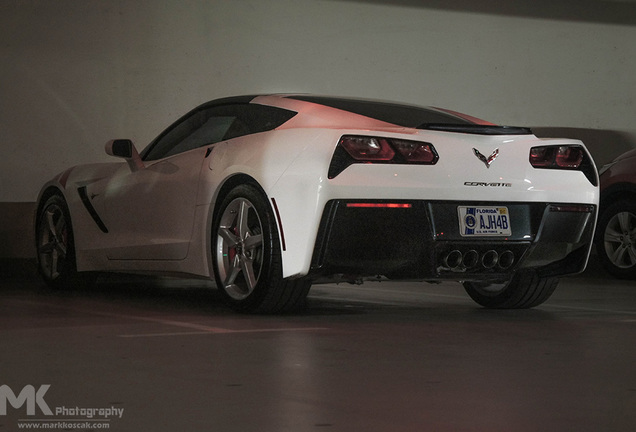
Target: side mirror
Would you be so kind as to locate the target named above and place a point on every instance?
(124, 148)
(120, 148)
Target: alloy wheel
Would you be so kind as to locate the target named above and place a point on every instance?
(239, 248)
(53, 241)
(619, 240)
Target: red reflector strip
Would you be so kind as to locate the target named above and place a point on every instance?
(379, 205)
(572, 208)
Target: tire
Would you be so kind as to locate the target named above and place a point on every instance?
(55, 246)
(616, 239)
(247, 258)
(524, 290)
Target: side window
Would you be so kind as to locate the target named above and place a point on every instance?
(212, 131)
(197, 129)
(254, 118)
(213, 124)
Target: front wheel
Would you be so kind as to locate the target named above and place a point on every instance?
(524, 290)
(247, 257)
(55, 245)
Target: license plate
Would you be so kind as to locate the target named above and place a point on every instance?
(484, 221)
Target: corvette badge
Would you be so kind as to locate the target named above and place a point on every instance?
(486, 160)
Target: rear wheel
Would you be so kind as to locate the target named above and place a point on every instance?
(524, 290)
(55, 245)
(247, 256)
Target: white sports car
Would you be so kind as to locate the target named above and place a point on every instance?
(268, 194)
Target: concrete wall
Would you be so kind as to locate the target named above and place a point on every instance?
(76, 73)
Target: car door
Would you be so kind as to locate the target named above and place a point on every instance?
(150, 211)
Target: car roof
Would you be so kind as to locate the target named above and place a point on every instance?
(347, 112)
(395, 113)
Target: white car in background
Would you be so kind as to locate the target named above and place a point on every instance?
(268, 194)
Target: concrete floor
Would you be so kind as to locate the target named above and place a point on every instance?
(168, 356)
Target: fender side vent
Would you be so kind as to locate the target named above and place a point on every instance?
(91, 210)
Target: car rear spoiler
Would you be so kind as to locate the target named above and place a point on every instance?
(477, 129)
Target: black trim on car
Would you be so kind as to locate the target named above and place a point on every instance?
(91, 210)
(390, 112)
(477, 129)
(420, 240)
(241, 99)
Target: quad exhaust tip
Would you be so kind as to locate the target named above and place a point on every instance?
(506, 259)
(490, 259)
(454, 259)
(471, 258)
(458, 261)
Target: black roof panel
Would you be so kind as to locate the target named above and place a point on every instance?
(390, 112)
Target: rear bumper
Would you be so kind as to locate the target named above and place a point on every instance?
(421, 240)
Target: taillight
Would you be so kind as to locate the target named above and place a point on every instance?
(559, 157)
(541, 157)
(416, 151)
(567, 157)
(366, 149)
